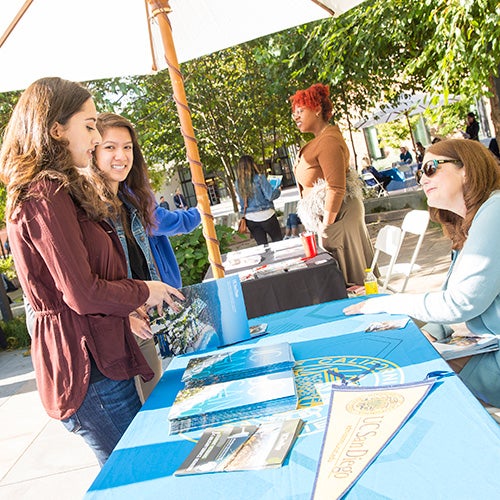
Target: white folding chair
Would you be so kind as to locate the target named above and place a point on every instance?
(371, 182)
(389, 241)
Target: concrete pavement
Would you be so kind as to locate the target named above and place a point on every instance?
(40, 460)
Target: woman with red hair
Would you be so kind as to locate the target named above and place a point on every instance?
(331, 203)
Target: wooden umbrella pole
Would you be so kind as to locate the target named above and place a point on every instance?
(411, 131)
(160, 11)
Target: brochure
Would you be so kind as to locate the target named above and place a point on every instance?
(361, 421)
(235, 364)
(459, 346)
(267, 447)
(258, 330)
(395, 324)
(212, 315)
(231, 448)
(201, 407)
(275, 180)
(356, 291)
(214, 449)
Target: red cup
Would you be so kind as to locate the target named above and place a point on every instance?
(309, 244)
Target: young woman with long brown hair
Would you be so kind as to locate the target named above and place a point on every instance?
(142, 225)
(71, 265)
(256, 200)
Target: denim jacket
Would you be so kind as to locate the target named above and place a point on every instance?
(263, 195)
(141, 237)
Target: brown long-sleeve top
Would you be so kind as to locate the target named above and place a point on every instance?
(324, 157)
(73, 272)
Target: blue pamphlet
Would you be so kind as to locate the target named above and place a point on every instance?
(210, 405)
(231, 365)
(275, 180)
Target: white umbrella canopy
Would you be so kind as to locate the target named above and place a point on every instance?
(406, 105)
(91, 39)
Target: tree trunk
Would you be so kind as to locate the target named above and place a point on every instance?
(494, 88)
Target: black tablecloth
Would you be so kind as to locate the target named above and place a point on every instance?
(320, 281)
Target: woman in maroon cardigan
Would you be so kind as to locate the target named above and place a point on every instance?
(71, 266)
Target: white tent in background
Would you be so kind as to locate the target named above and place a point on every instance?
(407, 105)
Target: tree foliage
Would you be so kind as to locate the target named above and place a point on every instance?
(379, 49)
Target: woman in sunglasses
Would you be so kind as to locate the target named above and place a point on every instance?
(461, 180)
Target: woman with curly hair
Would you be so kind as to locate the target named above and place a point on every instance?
(331, 203)
(461, 180)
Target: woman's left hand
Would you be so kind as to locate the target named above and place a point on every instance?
(355, 308)
(139, 324)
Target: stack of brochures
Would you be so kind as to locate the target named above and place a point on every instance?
(215, 404)
(245, 447)
(459, 346)
(235, 364)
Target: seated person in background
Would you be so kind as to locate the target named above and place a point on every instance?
(380, 176)
(164, 203)
(461, 180)
(292, 226)
(179, 200)
(405, 158)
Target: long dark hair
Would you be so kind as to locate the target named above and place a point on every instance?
(482, 177)
(29, 152)
(246, 171)
(136, 188)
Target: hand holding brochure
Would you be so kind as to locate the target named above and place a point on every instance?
(212, 315)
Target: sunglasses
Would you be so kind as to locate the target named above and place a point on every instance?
(430, 167)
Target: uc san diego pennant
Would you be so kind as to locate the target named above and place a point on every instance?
(361, 421)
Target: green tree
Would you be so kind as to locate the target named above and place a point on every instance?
(380, 49)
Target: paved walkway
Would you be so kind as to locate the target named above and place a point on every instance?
(40, 460)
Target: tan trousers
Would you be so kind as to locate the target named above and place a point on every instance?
(148, 349)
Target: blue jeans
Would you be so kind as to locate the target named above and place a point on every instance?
(105, 414)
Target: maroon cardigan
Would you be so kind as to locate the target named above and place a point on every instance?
(73, 272)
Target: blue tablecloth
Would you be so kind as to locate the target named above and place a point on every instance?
(449, 448)
(394, 174)
(401, 179)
